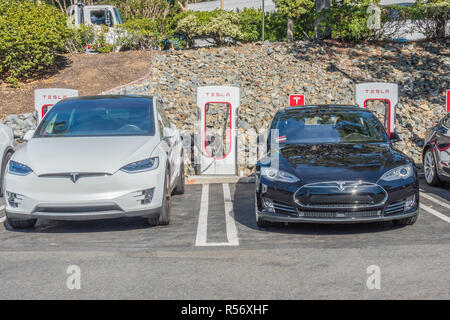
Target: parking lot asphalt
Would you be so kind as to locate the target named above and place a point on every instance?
(213, 250)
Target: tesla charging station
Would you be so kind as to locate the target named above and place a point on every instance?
(44, 99)
(373, 91)
(217, 129)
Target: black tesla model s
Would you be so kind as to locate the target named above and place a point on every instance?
(333, 164)
(436, 153)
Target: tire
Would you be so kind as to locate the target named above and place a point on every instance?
(406, 221)
(181, 181)
(429, 168)
(4, 163)
(163, 218)
(21, 224)
(260, 222)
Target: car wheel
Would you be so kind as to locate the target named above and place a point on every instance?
(5, 162)
(181, 181)
(164, 215)
(260, 222)
(429, 168)
(22, 224)
(406, 221)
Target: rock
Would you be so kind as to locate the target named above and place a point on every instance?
(268, 73)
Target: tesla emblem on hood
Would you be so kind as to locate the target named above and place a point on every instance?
(74, 176)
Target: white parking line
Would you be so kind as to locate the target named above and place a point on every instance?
(203, 217)
(232, 235)
(435, 212)
(437, 201)
(202, 228)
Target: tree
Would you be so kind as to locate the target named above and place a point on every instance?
(295, 10)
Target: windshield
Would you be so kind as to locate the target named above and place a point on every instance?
(328, 126)
(98, 117)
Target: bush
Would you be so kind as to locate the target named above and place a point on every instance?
(430, 18)
(151, 33)
(220, 26)
(142, 9)
(79, 38)
(275, 26)
(346, 22)
(31, 35)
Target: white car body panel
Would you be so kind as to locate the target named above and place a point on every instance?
(7, 145)
(102, 189)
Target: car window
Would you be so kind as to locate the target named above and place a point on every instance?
(328, 126)
(99, 117)
(99, 17)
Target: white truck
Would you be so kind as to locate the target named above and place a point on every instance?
(96, 16)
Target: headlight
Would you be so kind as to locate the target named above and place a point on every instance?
(278, 175)
(18, 168)
(143, 165)
(401, 172)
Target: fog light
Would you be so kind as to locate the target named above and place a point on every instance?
(410, 202)
(268, 204)
(148, 196)
(13, 199)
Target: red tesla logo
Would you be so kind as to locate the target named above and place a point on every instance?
(296, 100)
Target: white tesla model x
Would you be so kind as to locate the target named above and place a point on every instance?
(95, 158)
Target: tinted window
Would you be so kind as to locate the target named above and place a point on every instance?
(99, 117)
(328, 126)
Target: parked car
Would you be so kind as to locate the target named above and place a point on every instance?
(95, 158)
(436, 152)
(7, 147)
(333, 164)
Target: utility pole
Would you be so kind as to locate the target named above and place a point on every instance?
(221, 4)
(263, 20)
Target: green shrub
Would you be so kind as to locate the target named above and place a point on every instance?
(346, 22)
(79, 38)
(142, 9)
(100, 44)
(149, 33)
(31, 35)
(220, 26)
(424, 13)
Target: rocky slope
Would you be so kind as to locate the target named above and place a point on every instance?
(326, 73)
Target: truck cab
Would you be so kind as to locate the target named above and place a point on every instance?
(107, 15)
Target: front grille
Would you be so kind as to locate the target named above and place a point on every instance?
(82, 209)
(395, 207)
(338, 214)
(283, 208)
(340, 195)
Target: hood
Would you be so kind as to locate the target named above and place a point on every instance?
(84, 154)
(330, 162)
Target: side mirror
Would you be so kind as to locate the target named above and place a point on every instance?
(394, 137)
(168, 132)
(28, 135)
